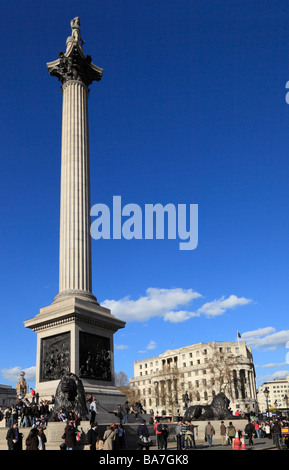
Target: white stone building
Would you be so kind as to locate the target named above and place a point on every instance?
(278, 396)
(201, 370)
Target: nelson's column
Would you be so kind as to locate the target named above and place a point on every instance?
(74, 333)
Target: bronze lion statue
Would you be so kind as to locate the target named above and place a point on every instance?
(70, 397)
(218, 409)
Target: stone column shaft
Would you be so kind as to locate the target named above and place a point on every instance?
(75, 241)
(76, 72)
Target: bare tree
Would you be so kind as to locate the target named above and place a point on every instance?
(221, 367)
(121, 379)
(168, 389)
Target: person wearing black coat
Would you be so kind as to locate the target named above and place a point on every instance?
(143, 435)
(32, 440)
(92, 437)
(14, 438)
(70, 436)
(249, 430)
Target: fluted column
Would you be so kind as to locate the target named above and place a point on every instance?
(75, 242)
(76, 72)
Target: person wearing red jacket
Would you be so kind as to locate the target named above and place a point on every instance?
(159, 434)
(257, 429)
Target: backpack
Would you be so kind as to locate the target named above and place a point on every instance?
(159, 427)
(248, 428)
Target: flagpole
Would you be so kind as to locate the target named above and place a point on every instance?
(238, 338)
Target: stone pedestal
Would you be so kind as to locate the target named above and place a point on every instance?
(74, 335)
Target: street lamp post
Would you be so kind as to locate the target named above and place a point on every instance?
(266, 393)
(286, 401)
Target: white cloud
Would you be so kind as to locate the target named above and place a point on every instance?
(178, 317)
(166, 303)
(121, 347)
(266, 338)
(272, 365)
(218, 307)
(258, 332)
(13, 374)
(152, 345)
(280, 374)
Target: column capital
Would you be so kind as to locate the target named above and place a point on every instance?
(74, 64)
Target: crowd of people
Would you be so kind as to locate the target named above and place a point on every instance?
(35, 415)
(26, 414)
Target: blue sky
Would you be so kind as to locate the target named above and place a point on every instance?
(190, 110)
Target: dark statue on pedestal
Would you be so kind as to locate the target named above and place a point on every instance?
(74, 64)
(218, 409)
(70, 397)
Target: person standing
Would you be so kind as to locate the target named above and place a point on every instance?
(223, 433)
(165, 435)
(70, 436)
(109, 437)
(191, 435)
(184, 430)
(209, 433)
(92, 436)
(249, 430)
(32, 440)
(121, 436)
(14, 438)
(41, 439)
(26, 415)
(93, 411)
(125, 412)
(231, 432)
(158, 430)
(32, 391)
(178, 435)
(119, 413)
(257, 429)
(143, 435)
(276, 433)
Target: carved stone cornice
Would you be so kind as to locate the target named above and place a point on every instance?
(74, 310)
(77, 319)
